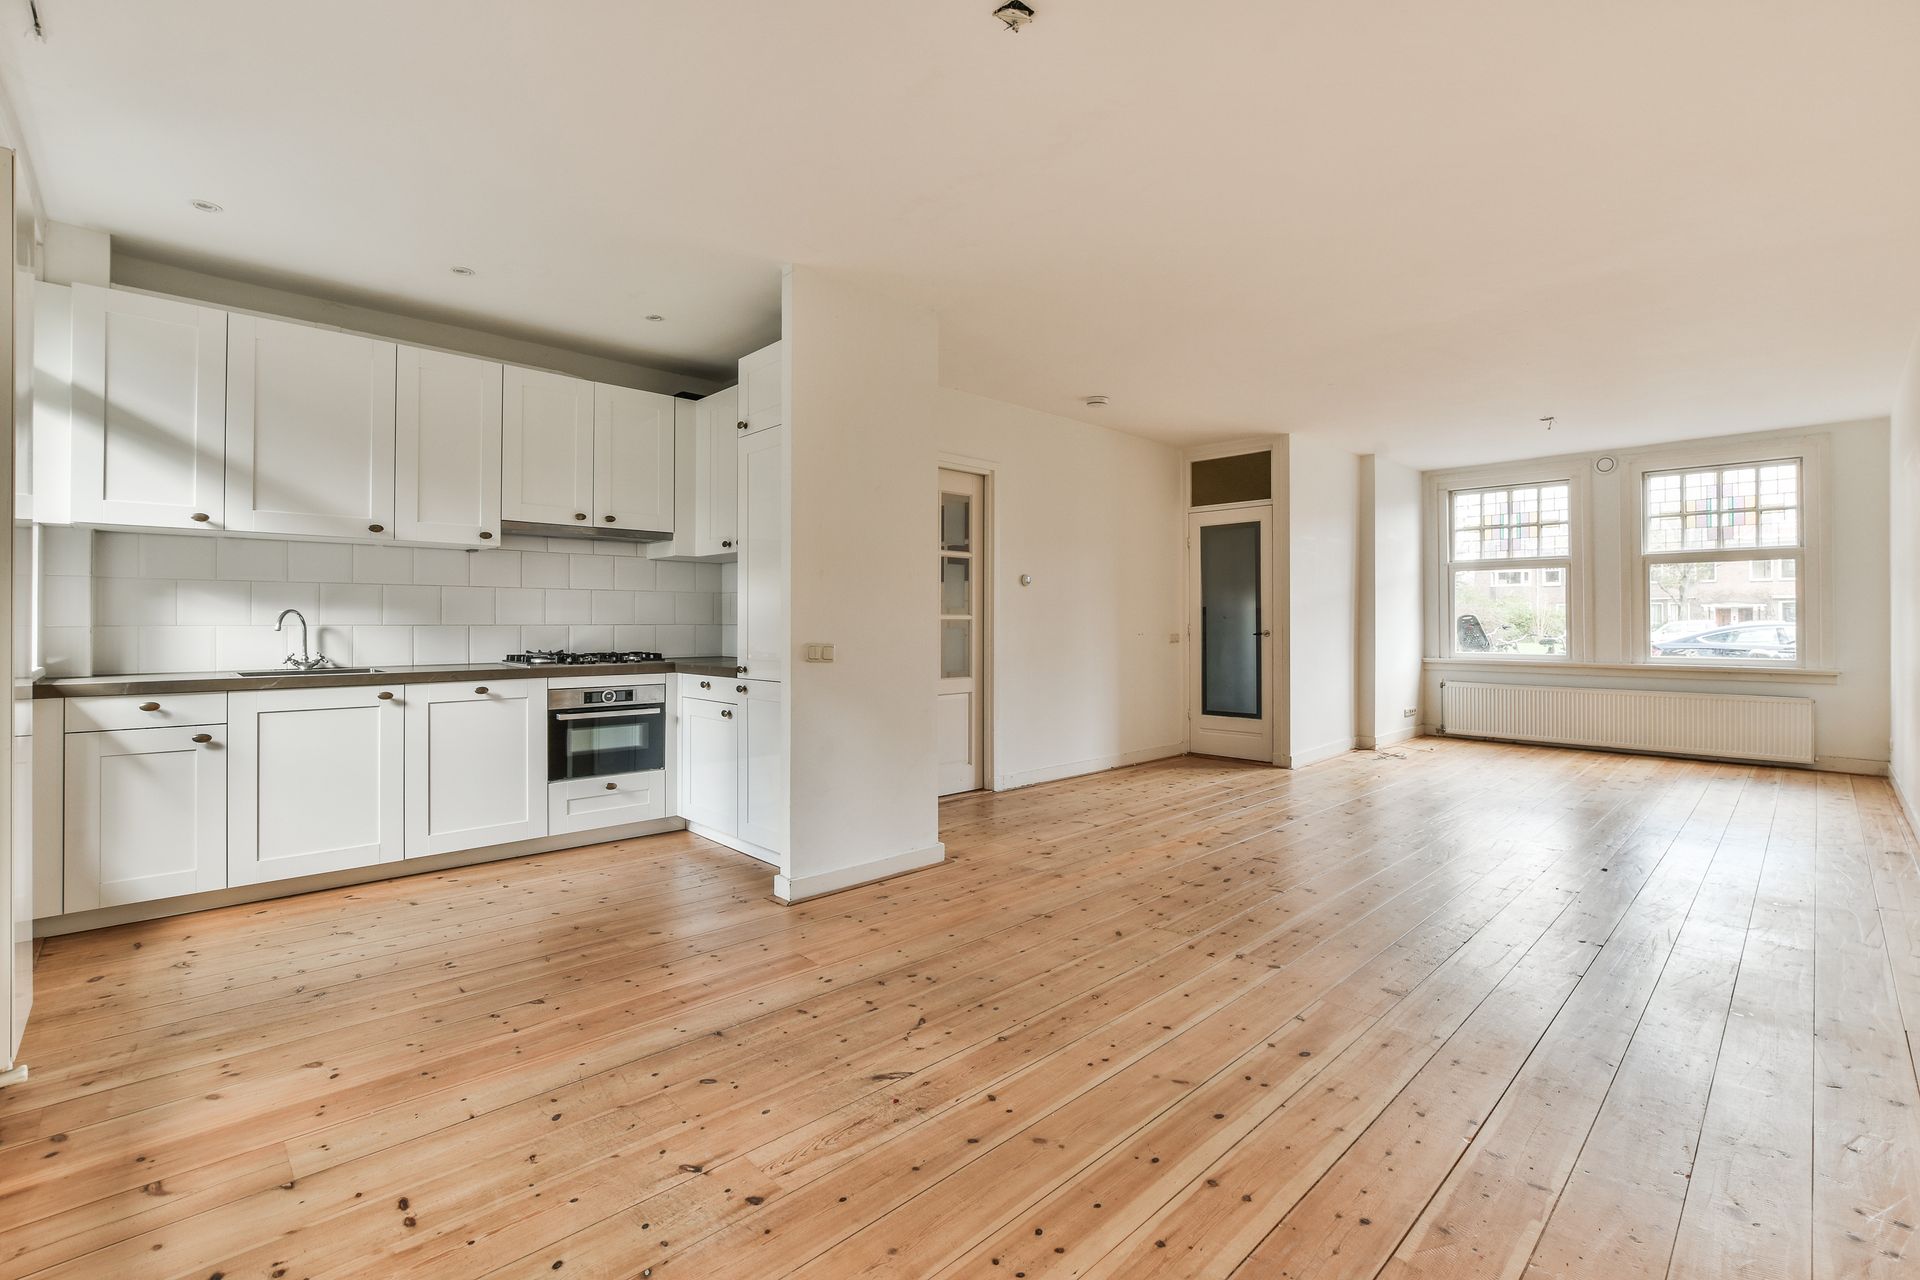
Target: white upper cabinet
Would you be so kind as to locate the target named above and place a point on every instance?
(707, 479)
(447, 448)
(762, 608)
(476, 764)
(763, 401)
(547, 433)
(148, 410)
(309, 430)
(632, 459)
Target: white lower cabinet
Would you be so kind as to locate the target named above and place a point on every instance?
(146, 815)
(763, 766)
(588, 804)
(316, 781)
(710, 763)
(476, 764)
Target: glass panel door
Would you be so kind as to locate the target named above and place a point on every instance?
(1230, 621)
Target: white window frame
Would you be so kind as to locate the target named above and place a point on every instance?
(1441, 486)
(1810, 573)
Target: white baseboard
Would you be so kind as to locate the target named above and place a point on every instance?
(736, 844)
(1388, 739)
(791, 889)
(1314, 755)
(128, 913)
(1078, 768)
(1850, 764)
(1900, 798)
(16, 1074)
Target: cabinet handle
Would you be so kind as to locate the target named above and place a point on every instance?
(610, 519)
(384, 696)
(203, 738)
(739, 688)
(579, 515)
(376, 528)
(740, 425)
(480, 688)
(726, 542)
(706, 684)
(149, 706)
(725, 714)
(613, 786)
(200, 516)
(739, 671)
(486, 535)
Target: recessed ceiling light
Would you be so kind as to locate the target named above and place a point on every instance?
(206, 206)
(1095, 402)
(656, 317)
(463, 271)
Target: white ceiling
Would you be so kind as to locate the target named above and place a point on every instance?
(1411, 227)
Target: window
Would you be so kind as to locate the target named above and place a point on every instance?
(1701, 528)
(1497, 539)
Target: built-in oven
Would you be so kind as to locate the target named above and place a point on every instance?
(603, 733)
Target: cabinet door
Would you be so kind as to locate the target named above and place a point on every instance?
(763, 766)
(146, 815)
(447, 449)
(763, 401)
(315, 781)
(710, 764)
(632, 459)
(547, 448)
(309, 430)
(716, 473)
(762, 540)
(476, 764)
(148, 410)
(591, 804)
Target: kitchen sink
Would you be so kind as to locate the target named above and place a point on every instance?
(316, 671)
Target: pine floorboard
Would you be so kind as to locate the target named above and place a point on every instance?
(1453, 1010)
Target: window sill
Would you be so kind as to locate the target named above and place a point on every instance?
(1641, 670)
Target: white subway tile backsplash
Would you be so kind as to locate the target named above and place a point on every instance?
(590, 573)
(570, 606)
(319, 562)
(671, 575)
(269, 599)
(467, 606)
(522, 542)
(730, 577)
(177, 556)
(494, 568)
(440, 645)
(382, 564)
(349, 603)
(410, 606)
(543, 569)
(120, 602)
(633, 575)
(215, 603)
(440, 567)
(252, 560)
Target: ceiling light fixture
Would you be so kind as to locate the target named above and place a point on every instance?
(463, 271)
(1095, 402)
(1549, 421)
(1015, 14)
(206, 206)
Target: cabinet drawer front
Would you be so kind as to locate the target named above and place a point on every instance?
(88, 715)
(589, 804)
(713, 688)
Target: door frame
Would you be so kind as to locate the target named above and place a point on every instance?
(1223, 736)
(986, 536)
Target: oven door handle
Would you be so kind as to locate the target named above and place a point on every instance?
(647, 709)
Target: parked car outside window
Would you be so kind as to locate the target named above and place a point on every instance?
(1766, 640)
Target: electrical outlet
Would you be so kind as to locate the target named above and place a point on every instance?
(1409, 713)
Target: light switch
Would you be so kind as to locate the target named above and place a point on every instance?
(817, 652)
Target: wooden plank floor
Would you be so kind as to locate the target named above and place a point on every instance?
(1464, 1010)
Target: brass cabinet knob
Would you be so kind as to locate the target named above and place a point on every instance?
(149, 706)
(385, 696)
(376, 528)
(609, 519)
(726, 714)
(706, 684)
(739, 671)
(726, 542)
(579, 515)
(613, 786)
(739, 688)
(200, 517)
(203, 738)
(486, 535)
(480, 688)
(741, 426)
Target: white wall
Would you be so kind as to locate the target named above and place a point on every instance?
(1388, 679)
(1852, 717)
(1084, 676)
(1904, 524)
(1321, 521)
(865, 471)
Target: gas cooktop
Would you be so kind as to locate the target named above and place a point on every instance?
(561, 658)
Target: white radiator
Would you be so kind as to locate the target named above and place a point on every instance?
(1724, 725)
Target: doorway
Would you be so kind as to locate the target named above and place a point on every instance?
(959, 711)
(1230, 632)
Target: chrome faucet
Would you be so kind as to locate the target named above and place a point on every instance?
(306, 661)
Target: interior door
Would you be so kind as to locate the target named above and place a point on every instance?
(957, 709)
(1230, 632)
